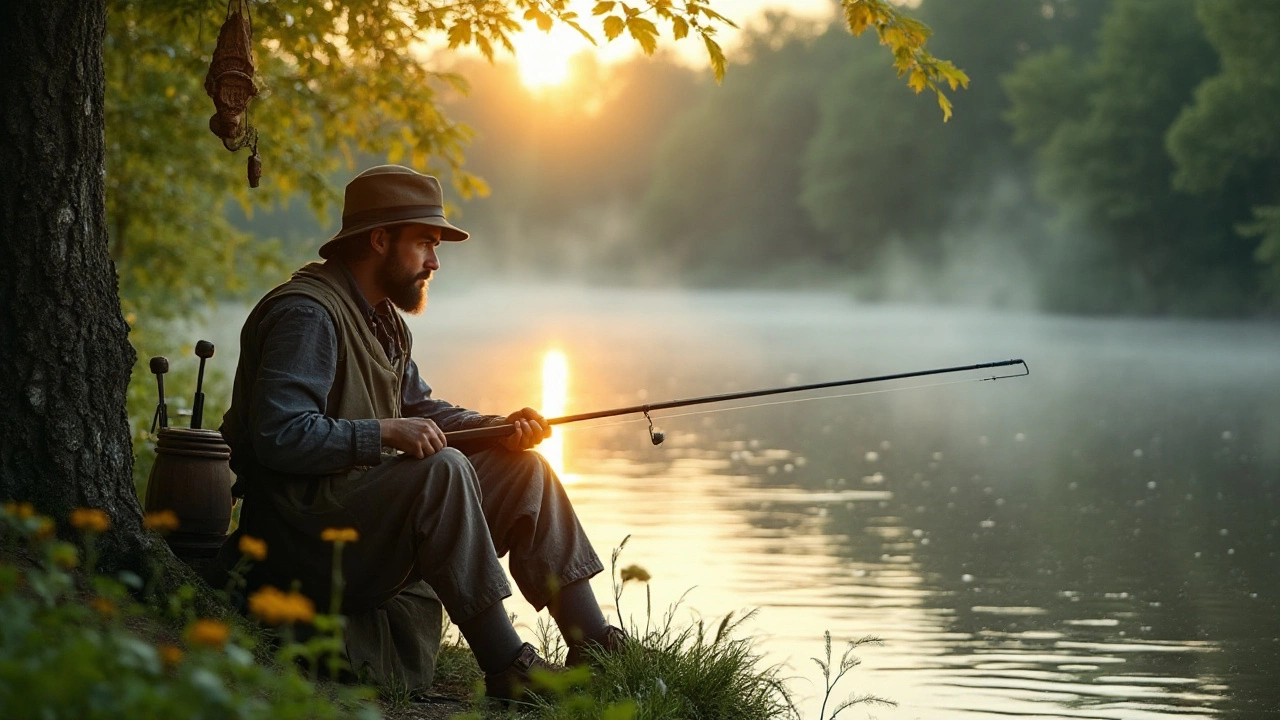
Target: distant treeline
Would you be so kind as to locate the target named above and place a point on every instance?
(1109, 156)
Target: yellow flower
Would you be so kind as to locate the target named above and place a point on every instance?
(170, 655)
(339, 535)
(634, 572)
(162, 521)
(210, 633)
(253, 547)
(90, 520)
(104, 606)
(20, 510)
(277, 608)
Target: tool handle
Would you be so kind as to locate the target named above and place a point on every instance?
(197, 411)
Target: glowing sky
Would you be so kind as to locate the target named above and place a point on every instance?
(544, 58)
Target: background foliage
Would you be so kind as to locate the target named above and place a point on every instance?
(342, 84)
(1111, 156)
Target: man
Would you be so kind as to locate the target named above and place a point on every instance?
(331, 426)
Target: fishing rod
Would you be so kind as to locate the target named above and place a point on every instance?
(499, 431)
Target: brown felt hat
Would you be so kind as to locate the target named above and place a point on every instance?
(391, 195)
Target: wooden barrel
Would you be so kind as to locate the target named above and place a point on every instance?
(191, 477)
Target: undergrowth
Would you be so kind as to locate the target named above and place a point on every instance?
(698, 672)
(75, 644)
(78, 644)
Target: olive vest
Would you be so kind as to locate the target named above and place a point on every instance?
(397, 642)
(366, 384)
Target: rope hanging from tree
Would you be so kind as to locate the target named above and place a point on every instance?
(229, 83)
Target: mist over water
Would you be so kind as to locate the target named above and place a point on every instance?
(1095, 540)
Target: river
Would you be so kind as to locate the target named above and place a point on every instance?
(1095, 540)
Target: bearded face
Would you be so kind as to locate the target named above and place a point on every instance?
(406, 287)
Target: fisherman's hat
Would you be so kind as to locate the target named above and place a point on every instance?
(390, 195)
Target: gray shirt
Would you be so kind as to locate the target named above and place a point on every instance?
(298, 351)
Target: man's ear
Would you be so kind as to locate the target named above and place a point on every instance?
(380, 241)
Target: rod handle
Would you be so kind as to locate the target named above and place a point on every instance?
(480, 433)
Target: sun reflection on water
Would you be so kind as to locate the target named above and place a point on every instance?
(555, 388)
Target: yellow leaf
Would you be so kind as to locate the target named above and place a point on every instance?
(917, 81)
(644, 32)
(857, 16)
(945, 104)
(954, 75)
(602, 7)
(486, 48)
(717, 16)
(679, 28)
(613, 27)
(716, 55)
(459, 34)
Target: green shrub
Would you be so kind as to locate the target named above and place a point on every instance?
(77, 645)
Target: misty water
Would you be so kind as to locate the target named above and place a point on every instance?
(1095, 540)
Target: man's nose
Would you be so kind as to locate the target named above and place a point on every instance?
(433, 261)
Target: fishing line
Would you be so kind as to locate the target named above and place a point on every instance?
(647, 409)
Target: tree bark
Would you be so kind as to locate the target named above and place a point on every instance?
(65, 357)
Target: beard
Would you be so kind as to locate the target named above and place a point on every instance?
(401, 285)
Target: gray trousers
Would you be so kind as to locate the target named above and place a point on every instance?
(445, 520)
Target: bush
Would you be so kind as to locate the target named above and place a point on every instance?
(78, 645)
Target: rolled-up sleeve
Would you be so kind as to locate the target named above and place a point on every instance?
(297, 367)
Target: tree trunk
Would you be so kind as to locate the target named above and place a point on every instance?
(65, 357)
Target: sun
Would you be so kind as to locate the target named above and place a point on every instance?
(543, 59)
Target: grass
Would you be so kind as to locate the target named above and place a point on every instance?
(78, 644)
(698, 672)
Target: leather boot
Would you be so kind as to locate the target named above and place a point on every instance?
(516, 682)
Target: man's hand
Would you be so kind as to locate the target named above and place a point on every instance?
(531, 429)
(417, 437)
